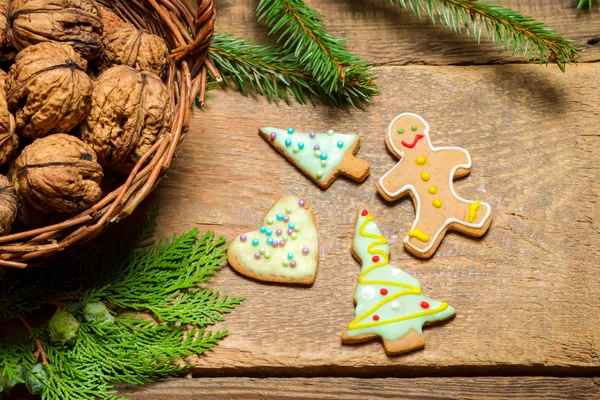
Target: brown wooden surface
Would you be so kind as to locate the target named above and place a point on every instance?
(527, 294)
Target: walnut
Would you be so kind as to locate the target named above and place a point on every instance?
(139, 49)
(58, 173)
(8, 205)
(74, 22)
(4, 42)
(48, 90)
(130, 111)
(9, 141)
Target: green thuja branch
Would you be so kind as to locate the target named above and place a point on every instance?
(129, 314)
(333, 68)
(504, 27)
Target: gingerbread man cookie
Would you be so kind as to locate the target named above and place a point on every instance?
(426, 173)
(389, 302)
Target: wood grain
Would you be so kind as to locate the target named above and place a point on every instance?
(527, 294)
(463, 388)
(385, 34)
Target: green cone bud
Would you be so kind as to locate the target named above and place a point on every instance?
(63, 327)
(97, 313)
(35, 380)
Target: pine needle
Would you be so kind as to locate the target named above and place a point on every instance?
(515, 32)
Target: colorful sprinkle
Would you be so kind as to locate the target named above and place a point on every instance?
(285, 263)
(340, 144)
(275, 243)
(421, 160)
(290, 231)
(290, 255)
(254, 242)
(288, 142)
(330, 132)
(297, 228)
(364, 212)
(375, 317)
(269, 232)
(312, 135)
(285, 238)
(323, 163)
(300, 145)
(425, 176)
(323, 156)
(278, 232)
(383, 291)
(269, 240)
(375, 258)
(281, 243)
(424, 305)
(317, 147)
(400, 130)
(286, 218)
(319, 174)
(305, 251)
(317, 153)
(273, 135)
(279, 216)
(437, 203)
(270, 221)
(262, 250)
(290, 130)
(301, 203)
(293, 263)
(296, 149)
(291, 225)
(432, 190)
(294, 236)
(413, 128)
(243, 238)
(288, 210)
(257, 256)
(263, 229)
(267, 255)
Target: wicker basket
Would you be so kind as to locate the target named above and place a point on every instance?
(173, 20)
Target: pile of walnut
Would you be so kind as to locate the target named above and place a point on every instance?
(61, 128)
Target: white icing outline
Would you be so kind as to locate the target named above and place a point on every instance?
(412, 189)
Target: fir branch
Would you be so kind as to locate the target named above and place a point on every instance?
(504, 27)
(334, 69)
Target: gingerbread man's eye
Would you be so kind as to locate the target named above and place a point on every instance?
(413, 128)
(400, 130)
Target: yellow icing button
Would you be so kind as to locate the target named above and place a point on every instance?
(425, 176)
(473, 208)
(437, 203)
(432, 190)
(421, 160)
(416, 233)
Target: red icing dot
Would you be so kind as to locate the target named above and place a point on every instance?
(383, 291)
(375, 317)
(364, 212)
(425, 305)
(375, 258)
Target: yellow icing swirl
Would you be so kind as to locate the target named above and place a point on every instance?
(416, 233)
(473, 208)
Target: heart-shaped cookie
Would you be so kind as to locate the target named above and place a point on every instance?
(284, 249)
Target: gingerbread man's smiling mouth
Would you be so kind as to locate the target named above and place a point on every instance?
(414, 143)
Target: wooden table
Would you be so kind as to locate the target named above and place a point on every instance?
(527, 294)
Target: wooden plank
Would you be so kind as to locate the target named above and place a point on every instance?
(385, 34)
(527, 294)
(464, 388)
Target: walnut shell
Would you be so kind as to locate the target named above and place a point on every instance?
(48, 90)
(77, 23)
(58, 173)
(4, 42)
(8, 205)
(139, 49)
(9, 141)
(130, 111)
